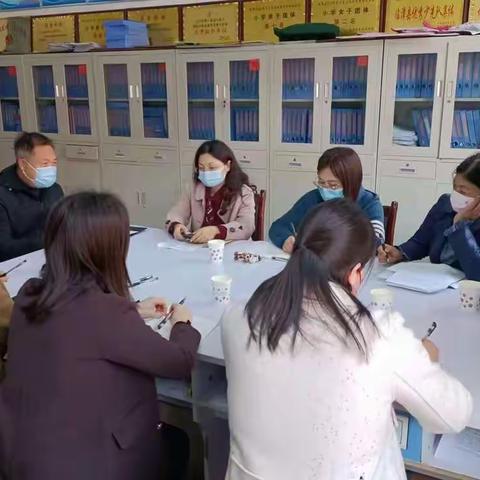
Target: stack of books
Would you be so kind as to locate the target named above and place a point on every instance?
(125, 34)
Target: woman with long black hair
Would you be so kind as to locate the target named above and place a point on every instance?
(79, 400)
(312, 376)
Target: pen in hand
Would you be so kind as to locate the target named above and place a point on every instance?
(293, 229)
(430, 330)
(169, 315)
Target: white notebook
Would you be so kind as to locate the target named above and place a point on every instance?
(424, 277)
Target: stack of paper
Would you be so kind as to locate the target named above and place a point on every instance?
(405, 137)
(423, 276)
(126, 34)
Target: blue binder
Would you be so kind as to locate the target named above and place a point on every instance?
(476, 125)
(467, 81)
(476, 76)
(460, 76)
(471, 143)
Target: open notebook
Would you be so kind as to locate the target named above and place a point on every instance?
(202, 324)
(423, 276)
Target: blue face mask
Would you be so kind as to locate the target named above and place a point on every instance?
(212, 178)
(45, 176)
(329, 194)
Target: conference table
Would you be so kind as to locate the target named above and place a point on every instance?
(179, 270)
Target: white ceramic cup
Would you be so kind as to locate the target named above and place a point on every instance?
(382, 299)
(469, 295)
(216, 248)
(221, 288)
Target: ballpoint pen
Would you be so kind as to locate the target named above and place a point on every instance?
(430, 330)
(143, 280)
(13, 268)
(169, 315)
(293, 229)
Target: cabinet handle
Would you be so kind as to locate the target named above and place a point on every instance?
(119, 154)
(225, 92)
(57, 94)
(294, 164)
(326, 91)
(216, 91)
(137, 91)
(158, 156)
(317, 89)
(450, 89)
(130, 87)
(80, 152)
(407, 170)
(243, 160)
(439, 88)
(144, 200)
(63, 91)
(138, 198)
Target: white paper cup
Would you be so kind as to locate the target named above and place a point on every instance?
(216, 248)
(469, 295)
(382, 299)
(221, 288)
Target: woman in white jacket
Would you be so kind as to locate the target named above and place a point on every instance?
(312, 376)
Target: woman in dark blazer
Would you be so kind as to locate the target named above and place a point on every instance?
(79, 400)
(450, 233)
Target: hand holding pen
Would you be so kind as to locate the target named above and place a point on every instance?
(176, 313)
(3, 275)
(429, 346)
(287, 246)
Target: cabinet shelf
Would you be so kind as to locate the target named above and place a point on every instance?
(45, 99)
(298, 101)
(78, 99)
(201, 100)
(349, 100)
(414, 100)
(10, 99)
(155, 100)
(467, 99)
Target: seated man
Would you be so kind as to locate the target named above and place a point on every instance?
(27, 192)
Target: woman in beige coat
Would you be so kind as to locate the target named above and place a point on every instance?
(220, 204)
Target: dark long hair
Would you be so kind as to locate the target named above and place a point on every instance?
(333, 238)
(86, 241)
(235, 178)
(470, 169)
(345, 164)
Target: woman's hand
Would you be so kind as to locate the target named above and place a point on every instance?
(180, 314)
(472, 212)
(203, 235)
(389, 254)
(431, 349)
(152, 308)
(288, 244)
(179, 231)
(3, 278)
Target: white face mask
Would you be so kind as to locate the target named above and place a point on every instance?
(459, 202)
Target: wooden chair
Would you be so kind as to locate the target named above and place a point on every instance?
(260, 204)
(390, 214)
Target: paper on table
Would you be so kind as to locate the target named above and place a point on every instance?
(202, 324)
(462, 449)
(179, 246)
(423, 276)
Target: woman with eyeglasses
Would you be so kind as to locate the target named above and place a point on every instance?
(339, 174)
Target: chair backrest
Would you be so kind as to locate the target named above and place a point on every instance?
(390, 214)
(260, 204)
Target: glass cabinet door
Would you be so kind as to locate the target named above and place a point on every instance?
(298, 98)
(349, 98)
(201, 95)
(244, 100)
(414, 99)
(46, 93)
(154, 100)
(9, 100)
(78, 100)
(117, 98)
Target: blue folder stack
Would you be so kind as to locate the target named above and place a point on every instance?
(201, 122)
(155, 121)
(422, 123)
(11, 116)
(8, 84)
(47, 118)
(349, 77)
(347, 126)
(466, 129)
(244, 123)
(468, 77)
(416, 76)
(125, 34)
(118, 119)
(297, 124)
(154, 81)
(298, 79)
(79, 119)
